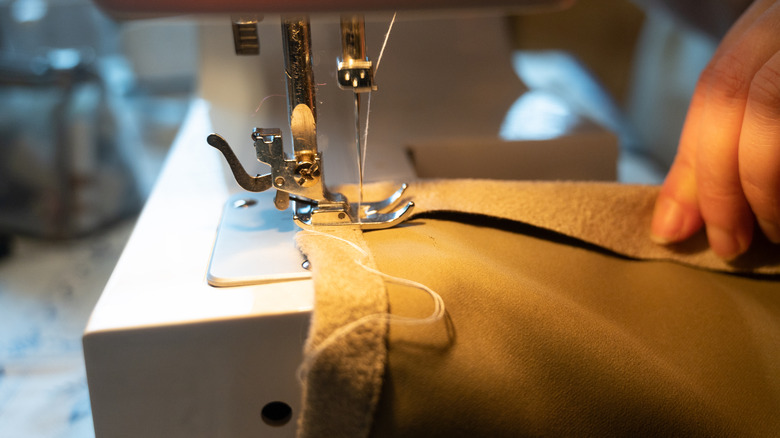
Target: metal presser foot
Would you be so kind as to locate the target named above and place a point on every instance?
(299, 184)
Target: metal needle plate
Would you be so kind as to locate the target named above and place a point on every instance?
(255, 243)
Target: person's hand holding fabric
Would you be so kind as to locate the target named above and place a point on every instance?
(726, 175)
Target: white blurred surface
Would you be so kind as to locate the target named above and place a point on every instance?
(47, 290)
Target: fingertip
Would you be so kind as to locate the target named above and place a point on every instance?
(726, 244)
(667, 221)
(673, 222)
(771, 230)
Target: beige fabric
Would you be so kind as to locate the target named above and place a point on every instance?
(544, 337)
(342, 383)
(612, 216)
(550, 339)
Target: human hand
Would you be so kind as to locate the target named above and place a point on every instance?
(726, 174)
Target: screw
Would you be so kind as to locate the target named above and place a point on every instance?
(306, 173)
(244, 203)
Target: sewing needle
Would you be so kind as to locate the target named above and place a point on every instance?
(359, 158)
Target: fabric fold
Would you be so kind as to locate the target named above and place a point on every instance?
(626, 326)
(342, 379)
(613, 216)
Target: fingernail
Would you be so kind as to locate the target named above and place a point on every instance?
(667, 222)
(771, 230)
(725, 244)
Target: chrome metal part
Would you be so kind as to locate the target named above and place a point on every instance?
(312, 205)
(245, 37)
(355, 71)
(304, 134)
(383, 214)
(281, 200)
(299, 74)
(247, 182)
(384, 205)
(288, 174)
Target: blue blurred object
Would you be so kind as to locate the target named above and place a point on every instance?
(66, 168)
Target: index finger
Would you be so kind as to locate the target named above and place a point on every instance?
(727, 82)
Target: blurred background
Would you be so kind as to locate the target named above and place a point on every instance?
(90, 105)
(88, 109)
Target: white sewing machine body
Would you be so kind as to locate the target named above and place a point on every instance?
(167, 353)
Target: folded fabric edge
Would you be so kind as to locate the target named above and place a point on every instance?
(615, 217)
(346, 350)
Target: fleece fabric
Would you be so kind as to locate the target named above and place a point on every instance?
(588, 330)
(613, 216)
(342, 382)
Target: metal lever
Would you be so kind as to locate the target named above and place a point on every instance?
(247, 182)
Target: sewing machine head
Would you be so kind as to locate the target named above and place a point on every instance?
(299, 178)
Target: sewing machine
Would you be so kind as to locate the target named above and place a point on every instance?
(200, 329)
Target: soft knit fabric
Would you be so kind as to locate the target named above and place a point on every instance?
(613, 216)
(342, 383)
(545, 335)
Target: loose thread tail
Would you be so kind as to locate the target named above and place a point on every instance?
(439, 309)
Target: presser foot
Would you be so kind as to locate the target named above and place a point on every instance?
(386, 213)
(312, 203)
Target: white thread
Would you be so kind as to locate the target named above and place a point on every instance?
(364, 146)
(384, 44)
(266, 98)
(365, 140)
(437, 314)
(361, 158)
